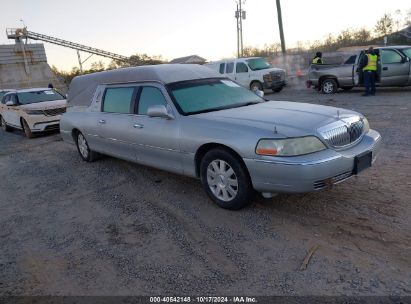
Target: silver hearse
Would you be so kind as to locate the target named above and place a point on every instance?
(190, 120)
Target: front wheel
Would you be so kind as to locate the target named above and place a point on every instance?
(329, 86)
(27, 129)
(256, 86)
(84, 150)
(3, 124)
(225, 179)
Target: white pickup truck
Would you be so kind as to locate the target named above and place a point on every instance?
(254, 73)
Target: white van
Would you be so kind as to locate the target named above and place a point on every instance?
(254, 73)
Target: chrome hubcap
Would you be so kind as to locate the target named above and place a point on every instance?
(222, 180)
(82, 145)
(328, 87)
(255, 87)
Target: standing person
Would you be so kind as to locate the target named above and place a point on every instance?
(369, 69)
(318, 59)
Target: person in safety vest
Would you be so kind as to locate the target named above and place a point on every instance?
(318, 59)
(369, 69)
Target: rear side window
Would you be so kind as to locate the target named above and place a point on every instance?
(1, 95)
(118, 100)
(222, 66)
(229, 68)
(150, 96)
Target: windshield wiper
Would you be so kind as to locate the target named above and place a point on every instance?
(239, 105)
(225, 107)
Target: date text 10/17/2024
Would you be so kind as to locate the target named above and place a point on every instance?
(239, 299)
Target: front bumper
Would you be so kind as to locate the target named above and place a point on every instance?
(274, 84)
(42, 124)
(310, 172)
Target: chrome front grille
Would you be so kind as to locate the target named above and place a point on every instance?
(277, 76)
(345, 134)
(54, 112)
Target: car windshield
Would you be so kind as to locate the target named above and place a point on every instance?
(207, 95)
(39, 96)
(407, 52)
(258, 64)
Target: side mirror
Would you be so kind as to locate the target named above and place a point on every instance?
(10, 103)
(159, 111)
(405, 59)
(259, 93)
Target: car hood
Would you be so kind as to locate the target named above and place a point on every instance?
(288, 119)
(45, 105)
(273, 70)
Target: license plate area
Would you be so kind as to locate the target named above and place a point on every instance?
(362, 162)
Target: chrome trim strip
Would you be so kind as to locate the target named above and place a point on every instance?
(134, 144)
(46, 122)
(287, 163)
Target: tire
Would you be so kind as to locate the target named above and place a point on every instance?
(4, 126)
(277, 90)
(26, 129)
(83, 148)
(256, 85)
(329, 86)
(225, 179)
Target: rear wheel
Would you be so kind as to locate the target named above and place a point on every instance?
(256, 86)
(4, 126)
(83, 148)
(329, 86)
(276, 90)
(26, 129)
(225, 179)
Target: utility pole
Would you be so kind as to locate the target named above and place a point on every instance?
(240, 15)
(280, 26)
(238, 32)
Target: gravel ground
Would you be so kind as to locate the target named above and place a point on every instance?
(115, 228)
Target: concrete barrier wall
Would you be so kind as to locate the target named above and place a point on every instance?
(15, 74)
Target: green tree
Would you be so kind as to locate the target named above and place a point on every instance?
(361, 36)
(385, 25)
(97, 66)
(407, 21)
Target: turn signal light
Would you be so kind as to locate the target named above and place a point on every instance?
(263, 151)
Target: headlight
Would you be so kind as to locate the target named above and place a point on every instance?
(366, 125)
(34, 112)
(289, 146)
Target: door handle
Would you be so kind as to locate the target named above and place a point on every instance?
(385, 68)
(138, 126)
(102, 121)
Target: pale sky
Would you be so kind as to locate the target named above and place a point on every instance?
(176, 28)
